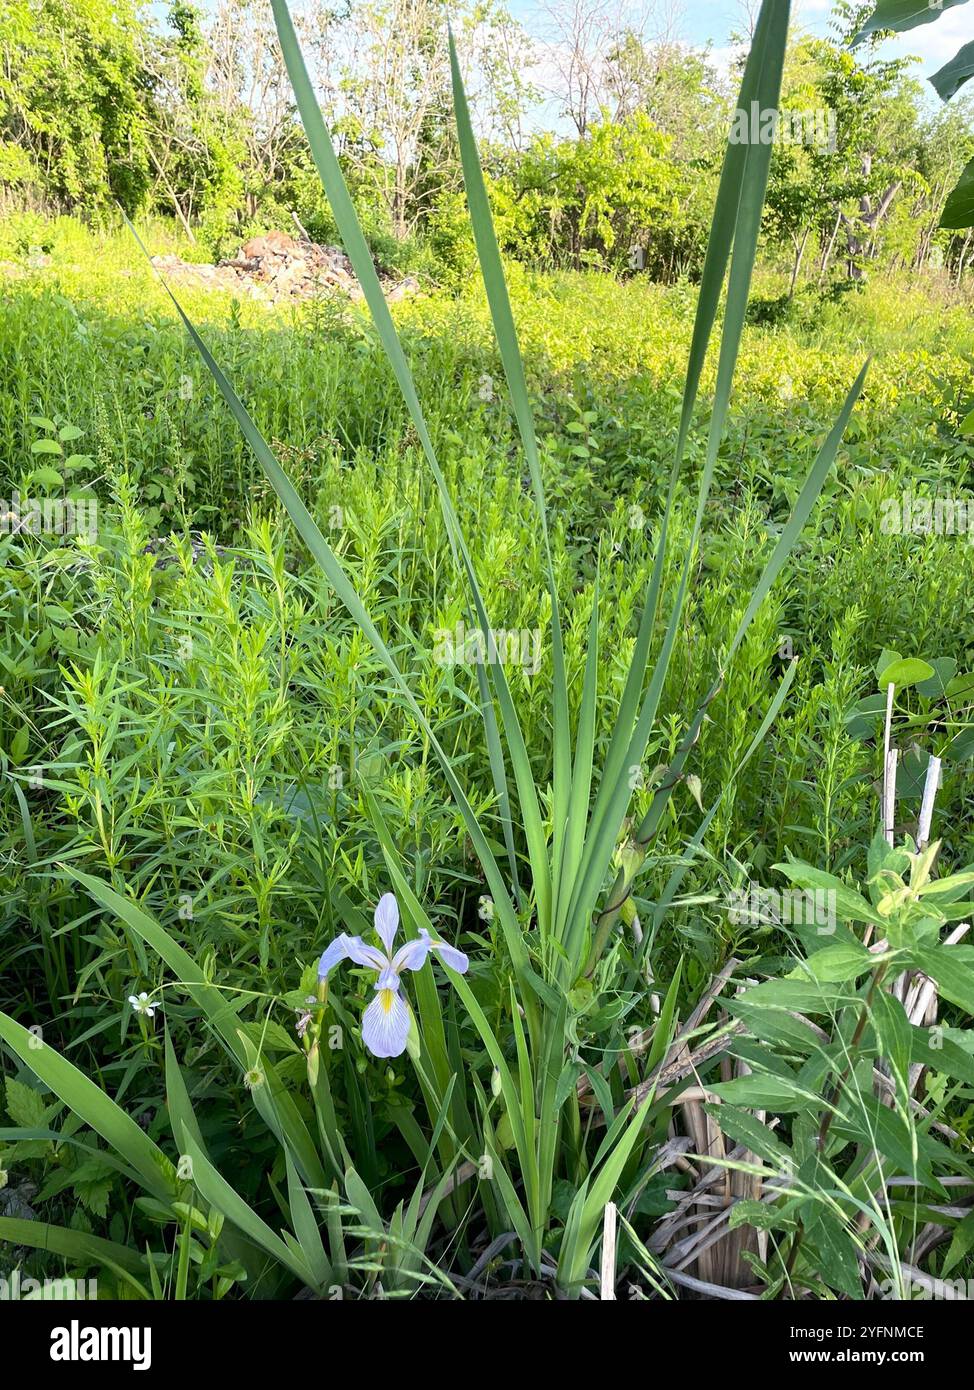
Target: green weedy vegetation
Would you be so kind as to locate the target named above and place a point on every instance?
(227, 727)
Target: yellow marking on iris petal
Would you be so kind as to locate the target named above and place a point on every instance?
(387, 996)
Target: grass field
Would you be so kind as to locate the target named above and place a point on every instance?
(189, 715)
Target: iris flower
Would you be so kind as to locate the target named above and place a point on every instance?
(387, 1020)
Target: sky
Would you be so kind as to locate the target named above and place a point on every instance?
(700, 22)
(934, 43)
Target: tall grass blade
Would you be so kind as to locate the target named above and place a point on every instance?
(358, 253)
(492, 270)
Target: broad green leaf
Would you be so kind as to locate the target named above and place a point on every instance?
(836, 964)
(747, 1129)
(904, 672)
(886, 658)
(936, 1048)
(951, 77)
(894, 1141)
(764, 1092)
(19, 745)
(47, 477)
(849, 905)
(953, 974)
(776, 1025)
(901, 15)
(937, 685)
(894, 1037)
(833, 1249)
(761, 1215)
(959, 208)
(960, 1246)
(25, 1106)
(946, 890)
(805, 997)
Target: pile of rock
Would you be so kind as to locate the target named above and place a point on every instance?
(276, 267)
(289, 267)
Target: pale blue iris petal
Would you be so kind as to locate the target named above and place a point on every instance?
(413, 955)
(364, 955)
(387, 920)
(449, 955)
(352, 948)
(388, 978)
(330, 957)
(385, 1024)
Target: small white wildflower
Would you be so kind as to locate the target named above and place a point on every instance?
(141, 1005)
(486, 909)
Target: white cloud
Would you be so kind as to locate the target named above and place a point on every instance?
(934, 43)
(723, 57)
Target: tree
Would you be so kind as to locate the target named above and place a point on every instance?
(874, 107)
(393, 98)
(195, 154)
(73, 92)
(675, 86)
(584, 43)
(895, 16)
(615, 199)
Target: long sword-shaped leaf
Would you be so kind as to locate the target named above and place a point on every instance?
(807, 498)
(672, 886)
(901, 15)
(76, 1246)
(589, 1203)
(520, 1119)
(358, 253)
(437, 1086)
(768, 51)
(90, 1103)
(498, 299)
(569, 850)
(218, 1192)
(736, 224)
(509, 1088)
(785, 544)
